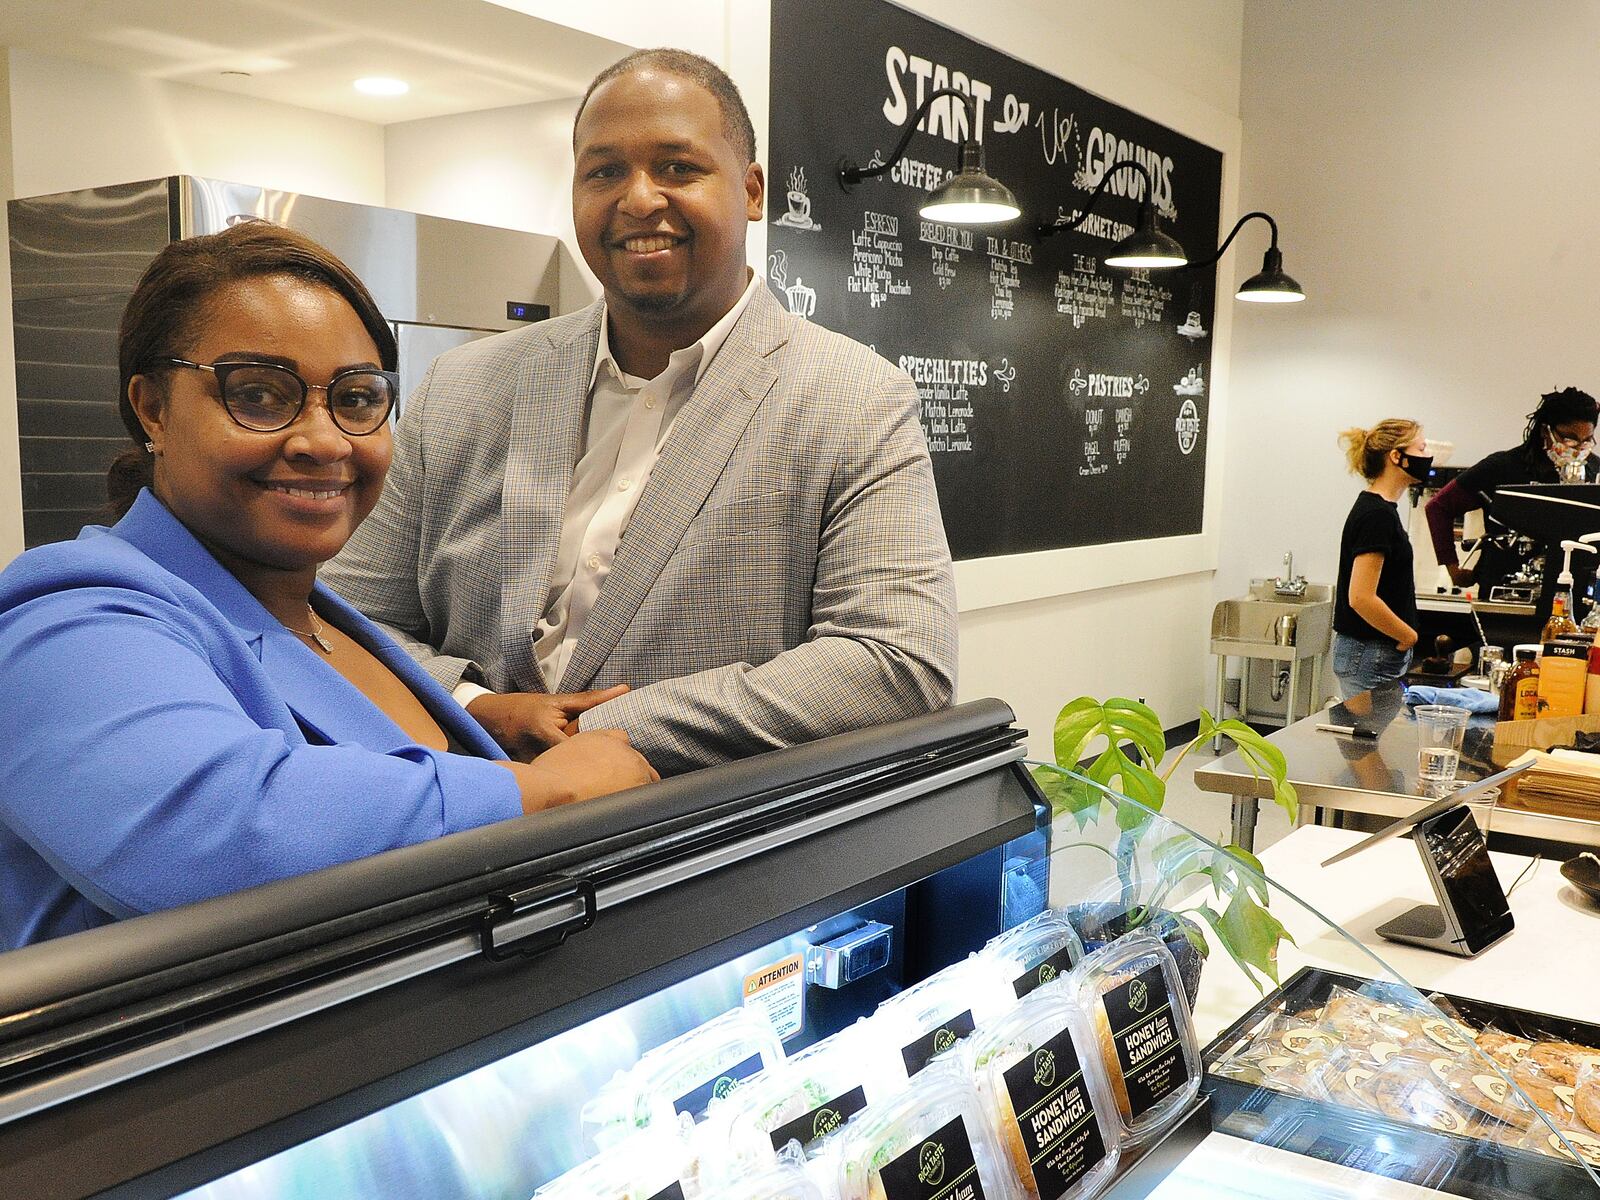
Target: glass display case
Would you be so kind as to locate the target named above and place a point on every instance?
(873, 966)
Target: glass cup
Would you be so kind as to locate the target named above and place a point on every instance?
(1440, 728)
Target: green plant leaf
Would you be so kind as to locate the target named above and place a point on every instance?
(1250, 934)
(1086, 722)
(1254, 878)
(1067, 793)
(1264, 758)
(1193, 934)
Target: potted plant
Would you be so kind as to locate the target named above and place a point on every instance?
(1123, 744)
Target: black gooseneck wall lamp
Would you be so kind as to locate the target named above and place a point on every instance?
(1271, 285)
(1146, 246)
(969, 197)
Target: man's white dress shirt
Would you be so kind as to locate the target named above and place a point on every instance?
(626, 422)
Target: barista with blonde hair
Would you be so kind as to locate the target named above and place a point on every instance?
(1375, 605)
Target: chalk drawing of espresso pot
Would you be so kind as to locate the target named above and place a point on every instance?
(802, 300)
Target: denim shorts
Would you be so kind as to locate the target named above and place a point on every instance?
(1362, 665)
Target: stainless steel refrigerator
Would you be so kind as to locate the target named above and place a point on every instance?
(76, 256)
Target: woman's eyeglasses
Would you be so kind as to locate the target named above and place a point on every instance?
(265, 397)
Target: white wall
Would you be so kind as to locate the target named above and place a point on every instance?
(507, 166)
(1433, 167)
(75, 125)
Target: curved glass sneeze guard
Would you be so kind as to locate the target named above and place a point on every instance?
(1314, 1045)
(1322, 1073)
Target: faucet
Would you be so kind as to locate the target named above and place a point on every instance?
(1289, 584)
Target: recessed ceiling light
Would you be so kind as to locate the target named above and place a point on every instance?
(378, 85)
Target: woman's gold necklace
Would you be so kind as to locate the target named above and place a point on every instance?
(315, 633)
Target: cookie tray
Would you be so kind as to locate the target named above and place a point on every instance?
(1371, 1142)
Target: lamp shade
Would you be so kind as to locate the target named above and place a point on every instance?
(1271, 286)
(971, 196)
(1147, 246)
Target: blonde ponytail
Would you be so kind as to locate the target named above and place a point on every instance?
(1366, 449)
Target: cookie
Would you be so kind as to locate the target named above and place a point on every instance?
(1351, 1087)
(1308, 1040)
(1406, 1096)
(1563, 1060)
(1489, 1094)
(1502, 1047)
(1381, 1052)
(1445, 1035)
(1587, 1146)
(1586, 1101)
(1546, 1094)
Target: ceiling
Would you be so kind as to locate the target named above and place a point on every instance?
(457, 55)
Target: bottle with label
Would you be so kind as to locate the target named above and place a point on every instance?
(1560, 624)
(1589, 627)
(1563, 677)
(1519, 695)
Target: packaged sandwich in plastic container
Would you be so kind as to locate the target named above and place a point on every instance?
(682, 1076)
(800, 1100)
(652, 1164)
(1038, 1075)
(931, 1017)
(1135, 1001)
(1036, 952)
(928, 1142)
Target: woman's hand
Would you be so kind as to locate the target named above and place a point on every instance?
(1408, 641)
(583, 767)
(529, 723)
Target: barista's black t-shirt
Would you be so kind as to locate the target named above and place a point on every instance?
(1373, 526)
(1520, 464)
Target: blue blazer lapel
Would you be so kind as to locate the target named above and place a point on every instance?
(321, 699)
(452, 718)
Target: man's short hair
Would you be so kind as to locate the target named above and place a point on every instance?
(736, 124)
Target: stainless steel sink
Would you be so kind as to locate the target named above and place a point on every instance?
(1266, 625)
(1315, 593)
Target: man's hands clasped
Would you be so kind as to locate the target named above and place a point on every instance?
(554, 762)
(528, 723)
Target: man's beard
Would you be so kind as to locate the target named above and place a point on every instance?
(653, 302)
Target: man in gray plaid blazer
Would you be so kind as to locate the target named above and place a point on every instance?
(682, 489)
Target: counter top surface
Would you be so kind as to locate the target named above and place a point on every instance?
(1546, 964)
(1377, 776)
(1326, 761)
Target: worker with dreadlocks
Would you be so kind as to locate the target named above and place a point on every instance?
(1556, 447)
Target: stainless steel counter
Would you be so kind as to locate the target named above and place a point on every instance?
(1339, 772)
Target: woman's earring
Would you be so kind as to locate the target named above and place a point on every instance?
(150, 448)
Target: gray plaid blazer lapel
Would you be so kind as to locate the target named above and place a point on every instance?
(546, 425)
(699, 445)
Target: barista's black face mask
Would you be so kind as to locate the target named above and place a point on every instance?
(1416, 465)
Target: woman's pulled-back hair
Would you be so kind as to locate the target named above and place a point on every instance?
(1366, 450)
(1558, 408)
(168, 306)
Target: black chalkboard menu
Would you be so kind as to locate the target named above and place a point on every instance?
(1064, 402)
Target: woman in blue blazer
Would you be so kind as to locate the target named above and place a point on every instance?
(185, 711)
